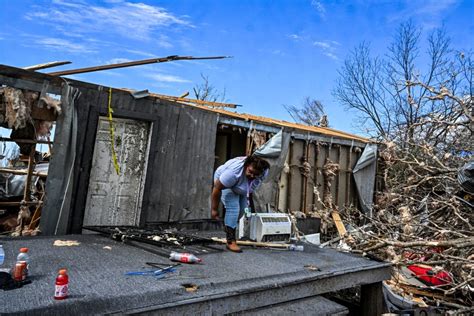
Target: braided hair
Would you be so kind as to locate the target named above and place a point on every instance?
(259, 164)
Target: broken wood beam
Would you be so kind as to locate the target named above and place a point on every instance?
(130, 64)
(46, 65)
(195, 101)
(30, 203)
(341, 229)
(252, 243)
(25, 141)
(22, 172)
(31, 166)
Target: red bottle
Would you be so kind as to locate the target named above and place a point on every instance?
(61, 287)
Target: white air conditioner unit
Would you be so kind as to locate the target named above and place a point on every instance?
(264, 227)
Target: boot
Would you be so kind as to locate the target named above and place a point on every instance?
(231, 242)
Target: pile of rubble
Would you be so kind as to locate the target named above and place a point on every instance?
(422, 223)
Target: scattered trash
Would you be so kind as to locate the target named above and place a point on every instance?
(160, 273)
(107, 247)
(2, 255)
(296, 247)
(189, 287)
(184, 257)
(19, 271)
(66, 243)
(312, 267)
(61, 290)
(23, 257)
(430, 276)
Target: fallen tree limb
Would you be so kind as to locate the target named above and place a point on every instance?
(456, 243)
(252, 243)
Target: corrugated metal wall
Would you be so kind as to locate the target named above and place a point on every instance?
(303, 191)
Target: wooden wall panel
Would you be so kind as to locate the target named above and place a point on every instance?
(311, 179)
(343, 171)
(183, 164)
(296, 179)
(283, 188)
(321, 151)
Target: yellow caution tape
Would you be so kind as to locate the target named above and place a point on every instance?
(112, 134)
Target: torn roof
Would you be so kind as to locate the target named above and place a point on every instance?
(260, 119)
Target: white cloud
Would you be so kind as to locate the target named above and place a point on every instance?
(319, 8)
(430, 13)
(322, 45)
(132, 20)
(327, 48)
(140, 53)
(64, 45)
(295, 37)
(117, 61)
(167, 78)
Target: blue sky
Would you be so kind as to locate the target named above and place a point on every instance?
(282, 51)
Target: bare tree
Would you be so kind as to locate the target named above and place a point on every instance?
(311, 112)
(395, 93)
(208, 92)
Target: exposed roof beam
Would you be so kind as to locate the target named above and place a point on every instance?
(47, 65)
(130, 64)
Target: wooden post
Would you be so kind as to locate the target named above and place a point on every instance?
(371, 300)
(305, 179)
(31, 165)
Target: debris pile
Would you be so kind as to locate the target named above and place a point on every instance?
(422, 223)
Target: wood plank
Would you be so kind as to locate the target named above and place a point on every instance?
(321, 154)
(333, 153)
(253, 243)
(296, 183)
(311, 179)
(372, 303)
(283, 189)
(342, 178)
(341, 229)
(161, 166)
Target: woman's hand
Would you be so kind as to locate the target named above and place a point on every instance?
(215, 214)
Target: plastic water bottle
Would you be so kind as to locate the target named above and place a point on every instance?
(23, 256)
(2, 255)
(61, 288)
(296, 248)
(247, 212)
(184, 257)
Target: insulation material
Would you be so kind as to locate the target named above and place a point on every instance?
(364, 176)
(24, 215)
(258, 138)
(50, 103)
(17, 107)
(330, 170)
(266, 194)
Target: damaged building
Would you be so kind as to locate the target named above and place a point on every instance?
(160, 164)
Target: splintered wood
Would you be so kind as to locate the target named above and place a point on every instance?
(422, 223)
